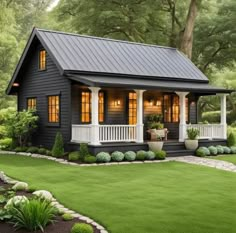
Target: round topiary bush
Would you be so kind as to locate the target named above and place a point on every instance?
(67, 217)
(90, 159)
(130, 155)
(160, 154)
(150, 155)
(81, 228)
(42, 151)
(233, 149)
(213, 150)
(231, 141)
(220, 149)
(33, 150)
(117, 156)
(226, 150)
(207, 152)
(141, 154)
(200, 152)
(73, 156)
(103, 157)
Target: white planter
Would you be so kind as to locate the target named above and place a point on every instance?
(191, 144)
(155, 146)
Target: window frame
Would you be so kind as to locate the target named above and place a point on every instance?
(104, 107)
(39, 60)
(54, 124)
(27, 105)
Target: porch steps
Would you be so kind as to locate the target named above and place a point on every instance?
(174, 153)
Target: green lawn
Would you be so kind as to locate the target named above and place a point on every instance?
(140, 198)
(228, 158)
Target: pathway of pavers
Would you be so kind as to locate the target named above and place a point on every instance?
(219, 164)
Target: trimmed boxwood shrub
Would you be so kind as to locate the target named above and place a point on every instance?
(150, 155)
(200, 152)
(81, 228)
(226, 150)
(42, 151)
(141, 154)
(213, 150)
(21, 149)
(103, 157)
(117, 156)
(48, 153)
(33, 150)
(231, 140)
(73, 156)
(233, 149)
(130, 155)
(160, 154)
(58, 147)
(207, 152)
(220, 149)
(90, 159)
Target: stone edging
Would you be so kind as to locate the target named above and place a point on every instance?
(55, 203)
(63, 161)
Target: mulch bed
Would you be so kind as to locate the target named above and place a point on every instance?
(59, 225)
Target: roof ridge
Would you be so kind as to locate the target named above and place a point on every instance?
(104, 38)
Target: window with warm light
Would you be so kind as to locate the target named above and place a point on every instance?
(132, 108)
(175, 109)
(167, 108)
(85, 106)
(186, 110)
(42, 60)
(31, 103)
(54, 109)
(159, 105)
(101, 107)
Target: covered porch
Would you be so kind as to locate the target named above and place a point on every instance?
(125, 120)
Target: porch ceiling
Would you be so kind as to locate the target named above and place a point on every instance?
(145, 83)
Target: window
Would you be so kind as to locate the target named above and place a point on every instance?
(54, 109)
(85, 106)
(31, 103)
(101, 107)
(159, 105)
(167, 108)
(175, 109)
(186, 109)
(42, 60)
(132, 108)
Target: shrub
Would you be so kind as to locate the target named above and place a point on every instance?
(117, 156)
(233, 149)
(43, 194)
(207, 152)
(103, 157)
(192, 133)
(33, 215)
(220, 149)
(130, 155)
(67, 217)
(90, 159)
(213, 150)
(83, 149)
(150, 155)
(226, 150)
(48, 153)
(21, 149)
(5, 143)
(141, 154)
(58, 148)
(33, 150)
(160, 154)
(42, 151)
(231, 140)
(202, 151)
(81, 228)
(73, 156)
(16, 201)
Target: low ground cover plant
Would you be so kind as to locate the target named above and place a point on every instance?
(81, 228)
(67, 217)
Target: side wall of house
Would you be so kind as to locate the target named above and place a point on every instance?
(41, 84)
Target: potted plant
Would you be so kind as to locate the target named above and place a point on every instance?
(192, 142)
(155, 145)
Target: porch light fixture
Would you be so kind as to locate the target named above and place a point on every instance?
(16, 84)
(151, 101)
(117, 102)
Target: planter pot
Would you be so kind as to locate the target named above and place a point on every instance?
(155, 146)
(191, 144)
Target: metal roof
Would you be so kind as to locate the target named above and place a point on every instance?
(138, 83)
(79, 53)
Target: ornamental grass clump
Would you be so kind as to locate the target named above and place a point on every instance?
(192, 133)
(103, 157)
(117, 156)
(81, 228)
(141, 154)
(213, 150)
(130, 155)
(58, 148)
(150, 155)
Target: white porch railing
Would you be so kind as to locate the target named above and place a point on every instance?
(107, 133)
(208, 131)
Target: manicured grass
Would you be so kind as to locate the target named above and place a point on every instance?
(228, 158)
(140, 198)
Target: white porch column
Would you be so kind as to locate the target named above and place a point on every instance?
(94, 133)
(139, 125)
(182, 120)
(223, 114)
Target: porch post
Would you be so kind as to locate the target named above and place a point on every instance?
(139, 125)
(182, 119)
(223, 115)
(94, 133)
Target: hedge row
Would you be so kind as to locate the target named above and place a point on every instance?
(215, 150)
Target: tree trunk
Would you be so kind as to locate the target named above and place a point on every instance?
(186, 42)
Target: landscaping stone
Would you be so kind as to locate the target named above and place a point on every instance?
(20, 186)
(43, 194)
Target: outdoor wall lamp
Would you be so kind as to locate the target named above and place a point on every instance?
(117, 102)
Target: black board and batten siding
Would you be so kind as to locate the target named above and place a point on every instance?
(41, 84)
